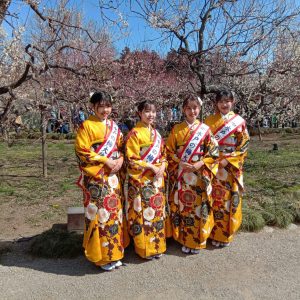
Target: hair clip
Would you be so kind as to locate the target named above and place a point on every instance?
(200, 101)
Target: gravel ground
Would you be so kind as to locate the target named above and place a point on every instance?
(263, 265)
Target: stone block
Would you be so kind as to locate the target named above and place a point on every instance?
(75, 219)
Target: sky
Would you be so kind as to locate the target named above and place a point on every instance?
(140, 36)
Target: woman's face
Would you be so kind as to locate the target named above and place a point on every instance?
(225, 105)
(148, 115)
(102, 111)
(191, 111)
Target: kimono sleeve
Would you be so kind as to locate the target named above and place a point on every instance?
(237, 157)
(133, 151)
(211, 153)
(82, 148)
(171, 150)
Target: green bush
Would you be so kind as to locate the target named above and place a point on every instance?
(252, 220)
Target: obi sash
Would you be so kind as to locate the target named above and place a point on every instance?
(228, 128)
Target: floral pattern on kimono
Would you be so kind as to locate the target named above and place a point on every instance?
(104, 239)
(190, 195)
(146, 209)
(228, 184)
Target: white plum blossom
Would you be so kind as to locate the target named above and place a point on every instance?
(149, 213)
(91, 211)
(103, 215)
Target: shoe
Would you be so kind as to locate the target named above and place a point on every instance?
(215, 243)
(185, 249)
(117, 264)
(158, 256)
(149, 257)
(224, 244)
(195, 251)
(108, 267)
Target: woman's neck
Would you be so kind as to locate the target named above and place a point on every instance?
(148, 125)
(190, 122)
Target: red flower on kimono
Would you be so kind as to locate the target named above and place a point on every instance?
(110, 202)
(156, 201)
(187, 197)
(218, 193)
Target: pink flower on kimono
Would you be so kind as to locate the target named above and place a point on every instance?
(149, 213)
(91, 211)
(190, 178)
(103, 215)
(137, 203)
(113, 181)
(222, 174)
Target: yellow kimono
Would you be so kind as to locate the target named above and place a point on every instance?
(146, 209)
(190, 194)
(103, 233)
(228, 184)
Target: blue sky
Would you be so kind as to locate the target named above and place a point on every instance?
(140, 36)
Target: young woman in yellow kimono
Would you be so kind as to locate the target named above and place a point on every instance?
(191, 153)
(146, 203)
(97, 146)
(231, 133)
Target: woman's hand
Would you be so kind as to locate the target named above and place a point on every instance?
(198, 165)
(223, 163)
(118, 165)
(161, 171)
(153, 168)
(191, 167)
(186, 167)
(111, 163)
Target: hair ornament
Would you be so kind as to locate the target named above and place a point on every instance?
(200, 101)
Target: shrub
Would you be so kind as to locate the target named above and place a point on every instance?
(56, 243)
(252, 220)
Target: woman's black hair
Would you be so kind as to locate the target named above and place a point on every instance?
(145, 104)
(101, 98)
(224, 94)
(188, 98)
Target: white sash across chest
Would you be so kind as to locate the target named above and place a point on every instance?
(106, 148)
(193, 144)
(153, 153)
(228, 128)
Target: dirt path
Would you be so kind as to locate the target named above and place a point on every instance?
(263, 265)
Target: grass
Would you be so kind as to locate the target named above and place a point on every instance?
(272, 181)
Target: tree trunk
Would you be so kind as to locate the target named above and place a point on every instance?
(44, 145)
(259, 132)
